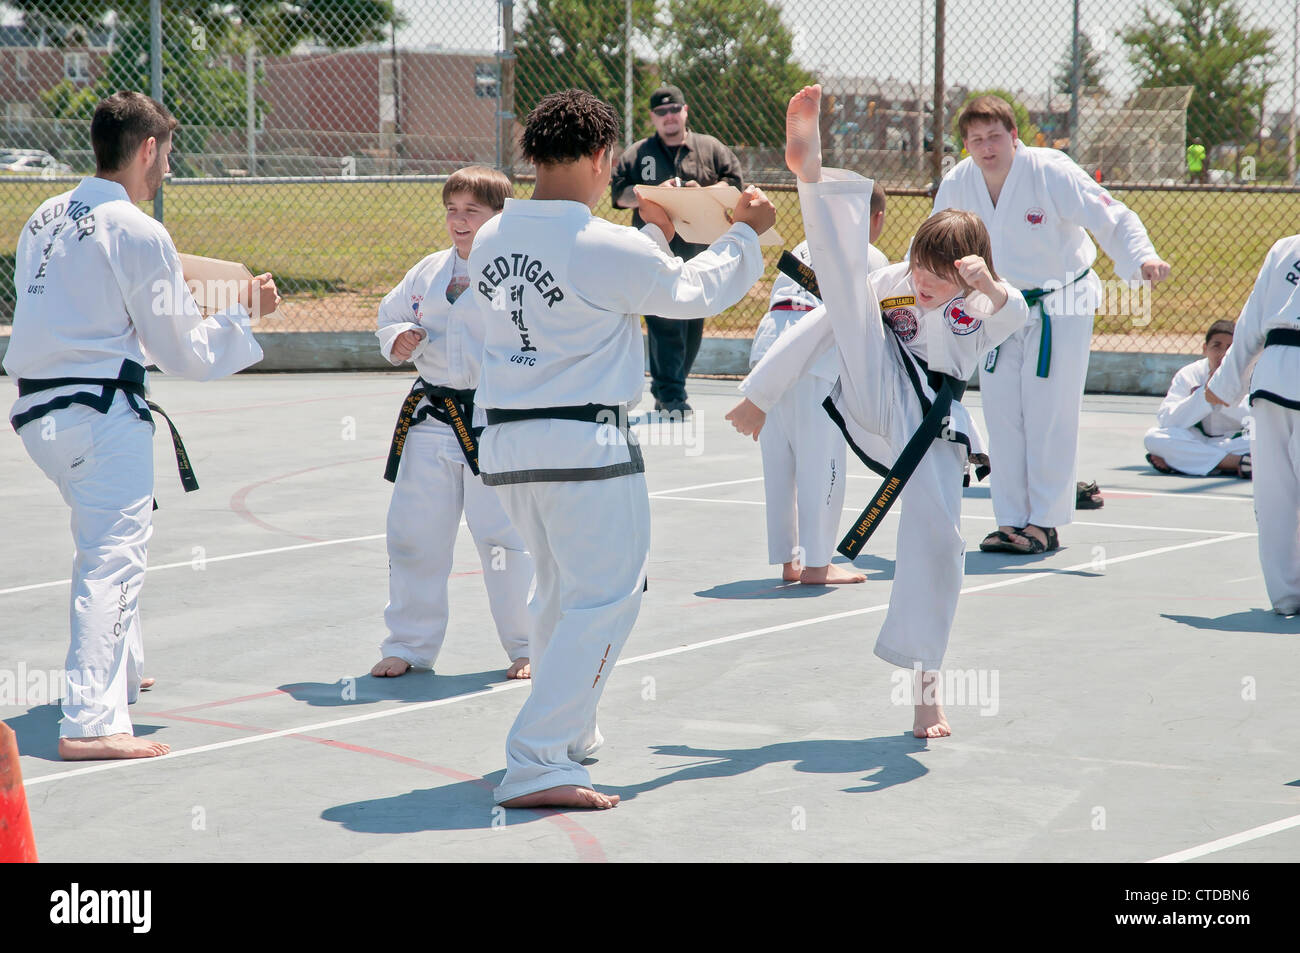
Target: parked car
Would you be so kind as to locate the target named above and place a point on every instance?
(31, 162)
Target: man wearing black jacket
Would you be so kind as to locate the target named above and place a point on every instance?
(672, 156)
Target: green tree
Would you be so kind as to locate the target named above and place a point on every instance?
(1028, 131)
(1208, 46)
(1090, 69)
(732, 60)
(580, 44)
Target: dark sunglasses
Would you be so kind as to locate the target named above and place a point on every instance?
(672, 110)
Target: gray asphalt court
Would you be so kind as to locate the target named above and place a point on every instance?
(1128, 697)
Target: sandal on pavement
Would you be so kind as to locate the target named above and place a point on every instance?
(1087, 496)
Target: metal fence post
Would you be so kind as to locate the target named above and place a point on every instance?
(155, 65)
(506, 92)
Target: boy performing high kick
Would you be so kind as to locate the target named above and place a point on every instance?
(895, 369)
(562, 365)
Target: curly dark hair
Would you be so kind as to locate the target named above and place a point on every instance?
(566, 126)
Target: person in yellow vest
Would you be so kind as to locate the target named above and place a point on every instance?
(1196, 162)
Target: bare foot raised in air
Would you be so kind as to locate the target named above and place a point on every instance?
(519, 668)
(829, 575)
(803, 145)
(928, 720)
(566, 795)
(790, 572)
(107, 747)
(390, 667)
(147, 683)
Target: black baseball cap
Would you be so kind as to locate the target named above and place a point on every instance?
(666, 94)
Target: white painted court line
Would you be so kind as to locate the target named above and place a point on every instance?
(972, 516)
(1223, 843)
(706, 486)
(678, 650)
(210, 559)
(328, 542)
(1127, 492)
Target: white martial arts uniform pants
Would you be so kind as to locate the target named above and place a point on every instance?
(1275, 458)
(590, 542)
(804, 456)
(929, 562)
(1188, 450)
(103, 466)
(434, 484)
(1033, 422)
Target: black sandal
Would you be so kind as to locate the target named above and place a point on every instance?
(1088, 497)
(1036, 546)
(1002, 543)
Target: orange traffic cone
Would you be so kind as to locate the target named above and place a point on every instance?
(17, 842)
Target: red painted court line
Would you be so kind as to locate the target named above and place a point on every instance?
(218, 704)
(584, 842)
(238, 501)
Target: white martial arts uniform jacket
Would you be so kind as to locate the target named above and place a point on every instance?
(562, 292)
(450, 352)
(1274, 304)
(1038, 226)
(1185, 405)
(950, 340)
(789, 302)
(99, 286)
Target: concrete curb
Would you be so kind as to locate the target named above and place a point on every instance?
(1109, 372)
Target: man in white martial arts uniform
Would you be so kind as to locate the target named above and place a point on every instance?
(1193, 436)
(804, 453)
(1036, 204)
(901, 374)
(100, 294)
(562, 364)
(433, 462)
(1267, 338)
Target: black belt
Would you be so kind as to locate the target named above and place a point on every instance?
(937, 417)
(455, 408)
(130, 381)
(1282, 337)
(586, 413)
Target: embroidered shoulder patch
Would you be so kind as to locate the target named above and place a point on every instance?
(959, 322)
(901, 301)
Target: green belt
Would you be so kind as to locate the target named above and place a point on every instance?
(1034, 298)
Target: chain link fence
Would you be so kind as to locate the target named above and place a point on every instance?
(314, 136)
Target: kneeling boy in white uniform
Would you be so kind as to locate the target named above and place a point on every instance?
(804, 453)
(1193, 436)
(1267, 338)
(100, 296)
(433, 462)
(563, 362)
(901, 376)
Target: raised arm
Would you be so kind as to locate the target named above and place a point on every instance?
(638, 277)
(1116, 227)
(1231, 381)
(175, 334)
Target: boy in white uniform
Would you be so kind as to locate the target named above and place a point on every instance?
(434, 474)
(1036, 204)
(100, 295)
(804, 453)
(562, 365)
(901, 373)
(1267, 338)
(1193, 436)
